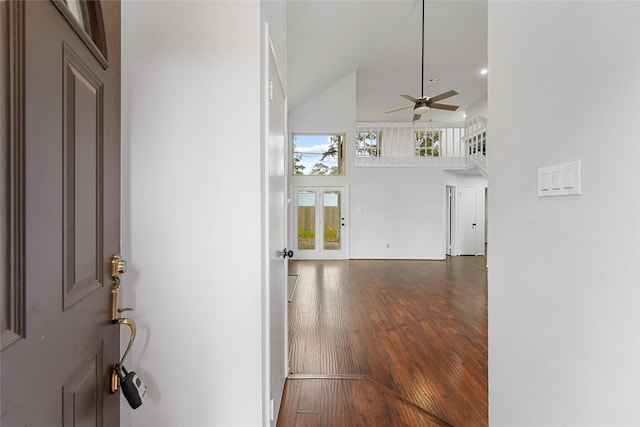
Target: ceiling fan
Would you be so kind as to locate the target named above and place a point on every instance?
(425, 103)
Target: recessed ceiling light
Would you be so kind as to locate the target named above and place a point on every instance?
(484, 71)
(434, 79)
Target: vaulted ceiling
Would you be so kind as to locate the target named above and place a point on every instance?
(380, 39)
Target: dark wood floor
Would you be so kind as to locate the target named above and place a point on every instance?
(387, 343)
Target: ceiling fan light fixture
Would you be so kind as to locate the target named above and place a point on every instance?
(420, 108)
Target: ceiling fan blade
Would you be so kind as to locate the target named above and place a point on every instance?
(399, 109)
(410, 98)
(416, 117)
(444, 107)
(443, 96)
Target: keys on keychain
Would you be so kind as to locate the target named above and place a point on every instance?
(132, 386)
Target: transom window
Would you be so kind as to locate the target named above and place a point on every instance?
(427, 143)
(368, 143)
(318, 154)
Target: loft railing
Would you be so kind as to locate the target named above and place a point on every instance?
(476, 141)
(453, 145)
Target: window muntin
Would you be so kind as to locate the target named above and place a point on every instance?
(368, 143)
(427, 143)
(318, 154)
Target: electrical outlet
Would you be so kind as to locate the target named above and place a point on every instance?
(388, 245)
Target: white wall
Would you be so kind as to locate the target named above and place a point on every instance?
(477, 109)
(191, 203)
(564, 280)
(400, 206)
(332, 110)
(403, 207)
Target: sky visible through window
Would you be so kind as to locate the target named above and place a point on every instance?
(311, 148)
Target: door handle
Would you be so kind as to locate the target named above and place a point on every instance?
(287, 253)
(132, 325)
(130, 383)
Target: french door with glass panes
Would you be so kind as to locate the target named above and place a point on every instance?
(320, 226)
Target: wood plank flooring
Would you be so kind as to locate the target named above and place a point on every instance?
(387, 343)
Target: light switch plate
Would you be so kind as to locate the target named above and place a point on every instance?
(560, 180)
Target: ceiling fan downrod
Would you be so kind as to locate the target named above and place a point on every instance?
(424, 103)
(422, 70)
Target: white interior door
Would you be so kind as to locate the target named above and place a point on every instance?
(468, 224)
(276, 280)
(320, 222)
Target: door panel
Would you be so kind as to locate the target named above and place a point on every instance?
(306, 215)
(321, 223)
(331, 221)
(79, 404)
(277, 238)
(82, 180)
(64, 213)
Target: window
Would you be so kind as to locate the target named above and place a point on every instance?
(427, 143)
(85, 17)
(478, 143)
(368, 143)
(318, 154)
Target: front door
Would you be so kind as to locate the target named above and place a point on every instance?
(60, 211)
(320, 222)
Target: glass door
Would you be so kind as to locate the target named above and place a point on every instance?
(320, 222)
(332, 220)
(306, 220)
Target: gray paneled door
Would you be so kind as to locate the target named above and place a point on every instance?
(60, 211)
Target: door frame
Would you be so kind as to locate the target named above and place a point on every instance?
(319, 253)
(451, 220)
(478, 231)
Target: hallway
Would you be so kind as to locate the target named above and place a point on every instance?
(387, 343)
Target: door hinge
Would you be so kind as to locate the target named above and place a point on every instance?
(272, 411)
(270, 90)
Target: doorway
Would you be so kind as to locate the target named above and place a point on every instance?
(320, 227)
(450, 203)
(468, 220)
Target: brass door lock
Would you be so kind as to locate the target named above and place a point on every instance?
(118, 266)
